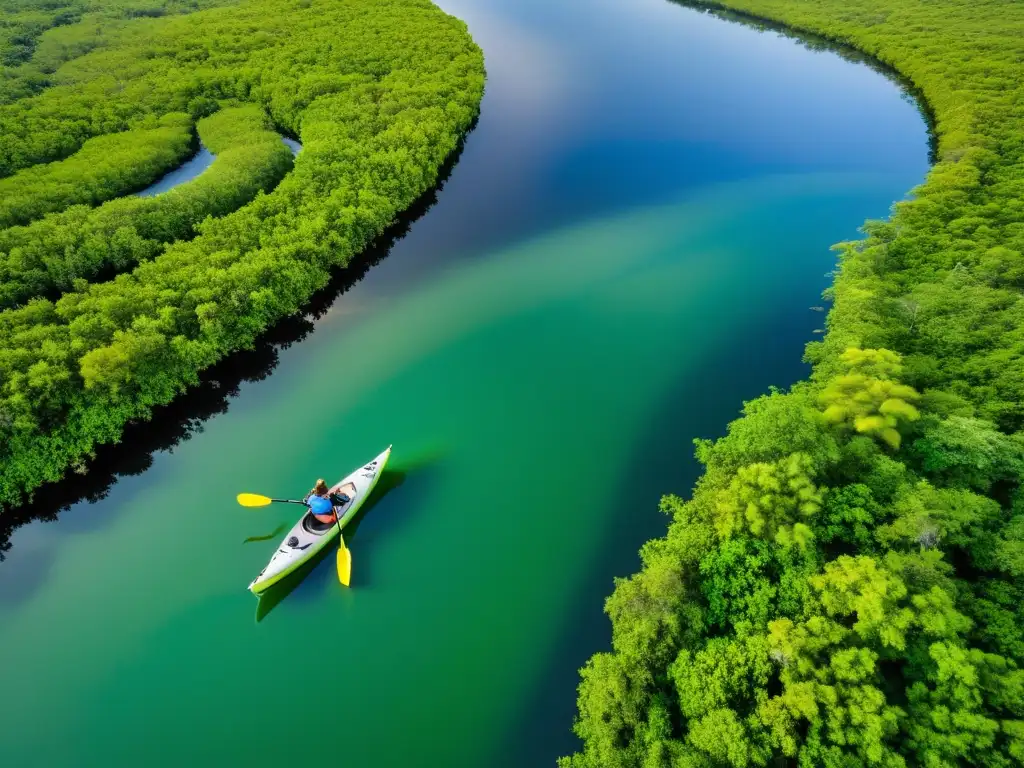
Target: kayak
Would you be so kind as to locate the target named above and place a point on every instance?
(309, 536)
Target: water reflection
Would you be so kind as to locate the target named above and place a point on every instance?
(911, 93)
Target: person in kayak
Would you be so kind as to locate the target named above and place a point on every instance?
(321, 502)
(322, 509)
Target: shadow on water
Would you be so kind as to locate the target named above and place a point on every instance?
(272, 535)
(389, 480)
(179, 420)
(270, 599)
(814, 42)
(417, 478)
(399, 468)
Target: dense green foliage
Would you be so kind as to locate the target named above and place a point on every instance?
(846, 585)
(105, 167)
(47, 256)
(379, 94)
(28, 56)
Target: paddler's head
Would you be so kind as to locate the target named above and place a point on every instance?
(320, 488)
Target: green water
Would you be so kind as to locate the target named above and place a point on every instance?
(541, 374)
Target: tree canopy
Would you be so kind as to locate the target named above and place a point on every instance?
(105, 167)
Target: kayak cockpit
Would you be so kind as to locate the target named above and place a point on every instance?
(311, 525)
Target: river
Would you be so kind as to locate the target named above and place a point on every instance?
(628, 247)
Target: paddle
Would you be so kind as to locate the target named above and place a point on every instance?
(344, 555)
(344, 561)
(255, 500)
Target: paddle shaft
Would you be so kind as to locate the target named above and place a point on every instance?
(337, 519)
(341, 543)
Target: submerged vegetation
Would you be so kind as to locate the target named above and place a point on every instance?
(379, 94)
(846, 585)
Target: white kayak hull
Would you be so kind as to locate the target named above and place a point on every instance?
(308, 536)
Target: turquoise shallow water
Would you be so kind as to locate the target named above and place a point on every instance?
(627, 248)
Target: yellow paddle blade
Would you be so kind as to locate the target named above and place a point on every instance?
(344, 564)
(253, 500)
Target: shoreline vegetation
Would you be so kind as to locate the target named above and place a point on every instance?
(377, 109)
(845, 586)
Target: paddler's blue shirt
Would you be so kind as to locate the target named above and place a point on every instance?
(320, 505)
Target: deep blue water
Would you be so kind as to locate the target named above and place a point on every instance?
(596, 107)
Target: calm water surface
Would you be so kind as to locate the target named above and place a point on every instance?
(187, 171)
(628, 247)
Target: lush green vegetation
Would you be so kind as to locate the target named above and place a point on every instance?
(105, 167)
(28, 55)
(48, 256)
(379, 94)
(846, 585)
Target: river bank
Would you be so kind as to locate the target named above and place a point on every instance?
(873, 483)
